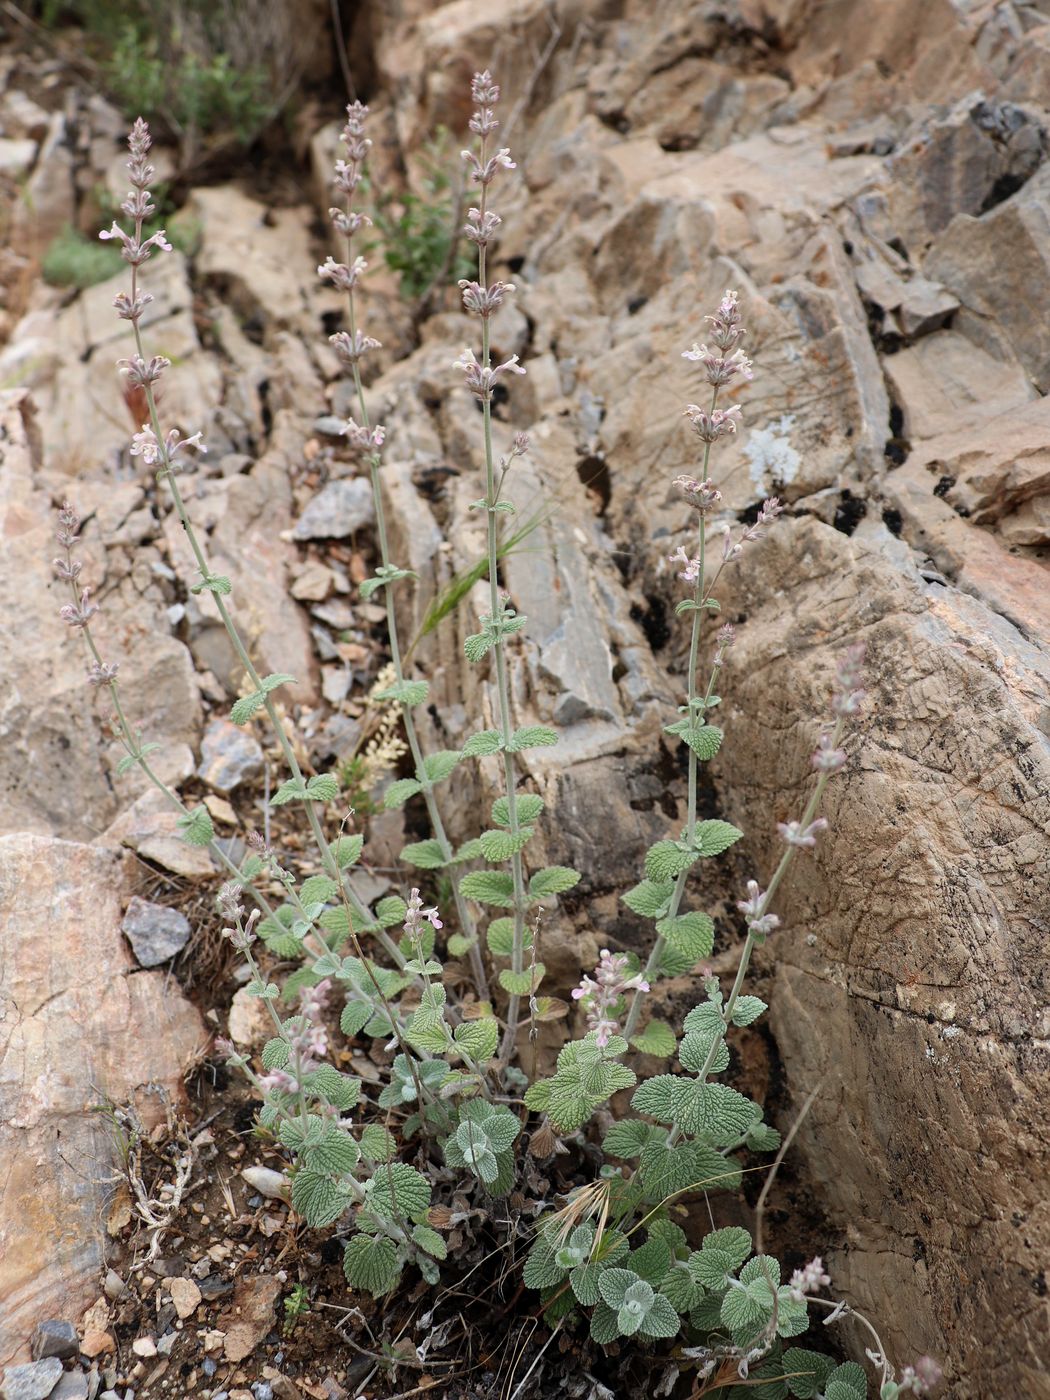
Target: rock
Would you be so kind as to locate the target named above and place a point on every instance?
(155, 932)
(48, 201)
(73, 1385)
(185, 1295)
(338, 511)
(33, 1382)
(16, 156)
(81, 1025)
(114, 1285)
(998, 266)
(97, 1344)
(944, 383)
(313, 584)
(250, 1315)
(54, 1338)
(144, 1346)
(273, 1185)
(48, 717)
(150, 827)
(230, 755)
(249, 1023)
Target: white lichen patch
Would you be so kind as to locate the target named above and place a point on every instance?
(772, 461)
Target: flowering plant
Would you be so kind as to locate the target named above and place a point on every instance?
(612, 1261)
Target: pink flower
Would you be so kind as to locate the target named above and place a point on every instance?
(808, 1279)
(483, 173)
(602, 995)
(826, 758)
(794, 834)
(364, 439)
(483, 301)
(719, 367)
(481, 378)
(701, 494)
(350, 349)
(146, 446)
(342, 277)
(481, 228)
(691, 572)
(758, 923)
(711, 426)
(132, 250)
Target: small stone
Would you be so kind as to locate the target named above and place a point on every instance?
(96, 1344)
(314, 584)
(215, 1287)
(33, 1382)
(16, 157)
(185, 1295)
(337, 613)
(144, 1346)
(273, 1185)
(229, 756)
(220, 809)
(113, 1286)
(262, 1390)
(209, 1367)
(155, 932)
(248, 1022)
(335, 683)
(166, 1343)
(54, 1338)
(73, 1385)
(342, 508)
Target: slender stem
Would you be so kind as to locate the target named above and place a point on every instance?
(466, 921)
(502, 686)
(701, 595)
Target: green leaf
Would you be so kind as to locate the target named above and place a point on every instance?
(850, 1377)
(651, 1261)
(626, 1138)
(650, 898)
(340, 1090)
(378, 1144)
(762, 1138)
(522, 984)
(657, 1038)
(397, 794)
(398, 1191)
(276, 1053)
(212, 583)
(542, 1269)
(501, 845)
(346, 850)
(424, 855)
(478, 1038)
(322, 787)
(489, 887)
(657, 1097)
(275, 679)
(713, 837)
(486, 742)
(244, 708)
(532, 736)
(705, 741)
(195, 827)
(555, 879)
(806, 1372)
(431, 1241)
(528, 808)
(747, 1009)
(666, 860)
(406, 693)
(317, 1198)
(477, 645)
(371, 1263)
(437, 766)
(538, 1096)
(661, 1320)
(391, 910)
(458, 944)
(584, 1280)
(604, 1326)
(317, 889)
(613, 1285)
(131, 759)
(691, 934)
(354, 1016)
(500, 937)
(291, 790)
(570, 1105)
(732, 1240)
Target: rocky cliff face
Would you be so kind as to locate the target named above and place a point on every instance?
(873, 180)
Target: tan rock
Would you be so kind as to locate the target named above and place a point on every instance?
(249, 1021)
(83, 1025)
(96, 1344)
(250, 1315)
(185, 1295)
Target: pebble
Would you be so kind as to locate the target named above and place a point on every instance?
(113, 1287)
(262, 1390)
(72, 1386)
(313, 584)
(54, 1338)
(144, 1346)
(229, 756)
(96, 1344)
(209, 1367)
(34, 1381)
(340, 509)
(273, 1185)
(155, 932)
(185, 1295)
